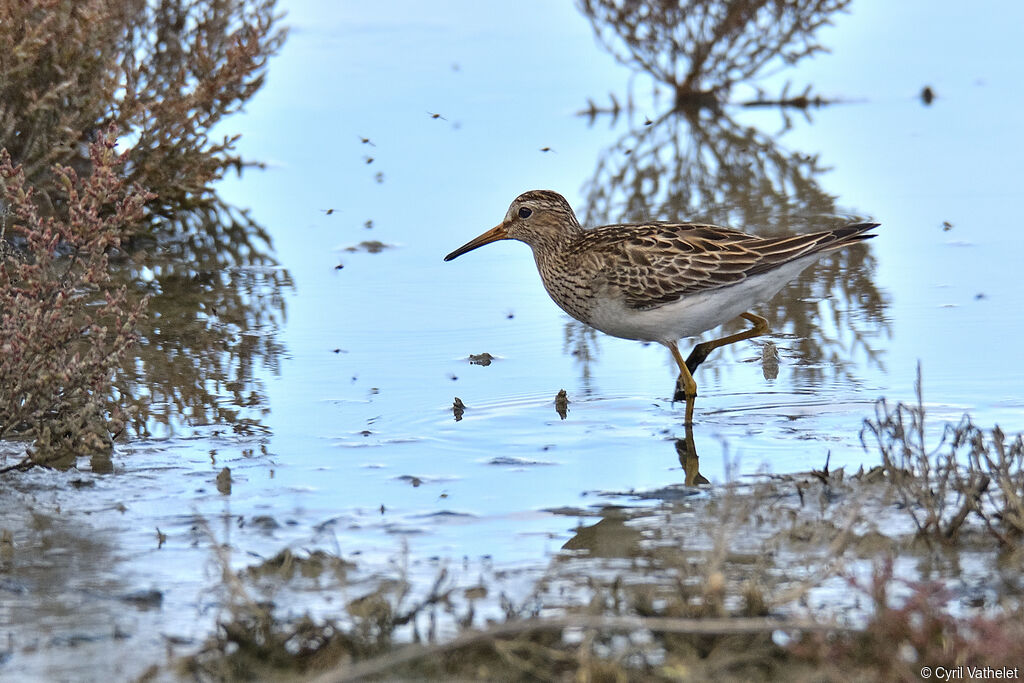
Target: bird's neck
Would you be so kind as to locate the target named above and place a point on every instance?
(555, 245)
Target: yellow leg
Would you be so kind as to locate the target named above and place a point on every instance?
(701, 351)
(685, 382)
(686, 386)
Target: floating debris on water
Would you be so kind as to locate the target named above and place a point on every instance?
(224, 481)
(458, 408)
(483, 359)
(369, 246)
(562, 403)
(508, 460)
(770, 360)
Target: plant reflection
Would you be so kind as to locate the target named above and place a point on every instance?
(217, 301)
(612, 536)
(701, 48)
(696, 163)
(700, 165)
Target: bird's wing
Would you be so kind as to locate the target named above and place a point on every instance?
(655, 264)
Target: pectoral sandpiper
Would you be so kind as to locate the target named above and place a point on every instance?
(659, 281)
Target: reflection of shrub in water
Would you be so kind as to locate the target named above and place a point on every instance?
(705, 167)
(216, 304)
(702, 47)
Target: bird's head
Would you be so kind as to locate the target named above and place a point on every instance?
(537, 217)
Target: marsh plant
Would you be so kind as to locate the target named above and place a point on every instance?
(79, 81)
(164, 72)
(969, 473)
(63, 327)
(905, 634)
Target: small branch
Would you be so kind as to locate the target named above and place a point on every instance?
(971, 498)
(22, 466)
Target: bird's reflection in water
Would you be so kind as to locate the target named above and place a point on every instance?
(613, 535)
(687, 452)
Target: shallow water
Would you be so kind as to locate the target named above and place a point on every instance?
(348, 376)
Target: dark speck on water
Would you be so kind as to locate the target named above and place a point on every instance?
(508, 460)
(144, 599)
(369, 246)
(265, 522)
(449, 514)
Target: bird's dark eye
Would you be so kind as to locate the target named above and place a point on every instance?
(524, 212)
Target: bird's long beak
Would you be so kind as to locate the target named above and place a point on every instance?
(496, 233)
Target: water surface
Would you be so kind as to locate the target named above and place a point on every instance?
(347, 376)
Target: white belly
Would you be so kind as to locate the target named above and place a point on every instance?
(694, 313)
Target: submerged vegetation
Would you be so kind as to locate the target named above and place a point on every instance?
(77, 81)
(787, 577)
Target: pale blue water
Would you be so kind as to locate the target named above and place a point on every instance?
(508, 79)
